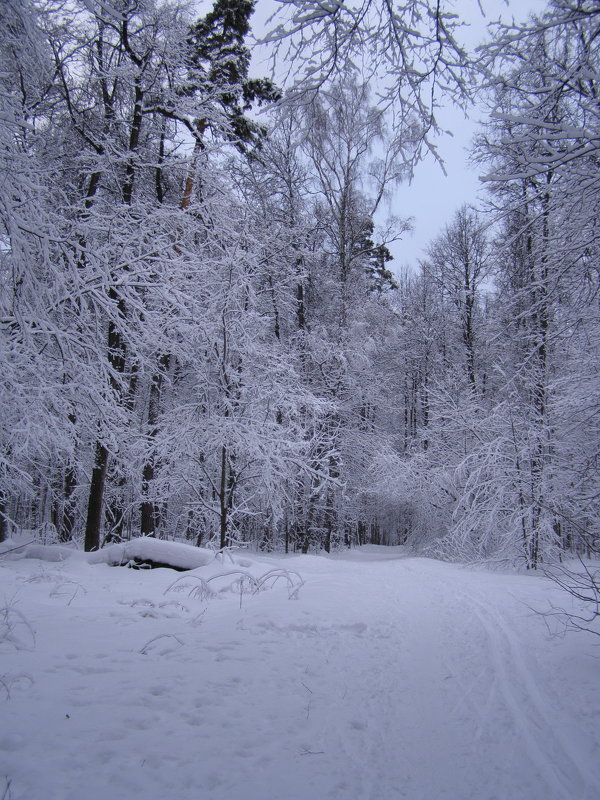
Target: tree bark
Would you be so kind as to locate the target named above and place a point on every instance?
(94, 513)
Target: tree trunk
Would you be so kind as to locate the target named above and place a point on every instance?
(149, 513)
(223, 504)
(94, 514)
(3, 517)
(67, 521)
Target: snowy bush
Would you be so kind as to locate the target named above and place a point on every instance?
(15, 630)
(583, 585)
(15, 633)
(239, 581)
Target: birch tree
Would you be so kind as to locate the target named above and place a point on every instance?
(410, 52)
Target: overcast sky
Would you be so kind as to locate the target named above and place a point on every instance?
(432, 197)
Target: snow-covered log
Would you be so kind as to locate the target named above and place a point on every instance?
(145, 551)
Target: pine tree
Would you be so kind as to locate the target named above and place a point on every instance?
(218, 61)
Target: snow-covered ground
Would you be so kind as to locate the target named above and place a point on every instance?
(384, 677)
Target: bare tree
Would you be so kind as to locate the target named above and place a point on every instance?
(410, 51)
(458, 264)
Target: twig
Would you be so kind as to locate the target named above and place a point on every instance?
(144, 650)
(18, 547)
(7, 793)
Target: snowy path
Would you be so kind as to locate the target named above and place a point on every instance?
(387, 678)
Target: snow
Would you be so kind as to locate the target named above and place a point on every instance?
(385, 676)
(145, 548)
(45, 552)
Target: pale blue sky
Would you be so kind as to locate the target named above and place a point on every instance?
(432, 197)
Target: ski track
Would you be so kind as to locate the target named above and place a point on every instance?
(387, 679)
(558, 760)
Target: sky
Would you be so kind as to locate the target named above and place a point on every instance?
(432, 197)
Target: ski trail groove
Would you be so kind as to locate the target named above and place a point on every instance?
(558, 760)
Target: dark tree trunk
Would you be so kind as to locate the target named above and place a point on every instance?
(67, 521)
(149, 512)
(223, 504)
(3, 517)
(94, 514)
(148, 509)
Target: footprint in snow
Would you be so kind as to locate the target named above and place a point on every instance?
(141, 723)
(195, 720)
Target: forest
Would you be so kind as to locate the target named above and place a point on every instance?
(204, 336)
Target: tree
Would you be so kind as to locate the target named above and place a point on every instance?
(410, 52)
(200, 332)
(543, 86)
(342, 129)
(514, 487)
(583, 585)
(36, 433)
(458, 264)
(218, 61)
(129, 62)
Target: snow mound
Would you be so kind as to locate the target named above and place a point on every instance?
(14, 550)
(153, 552)
(48, 552)
(14, 547)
